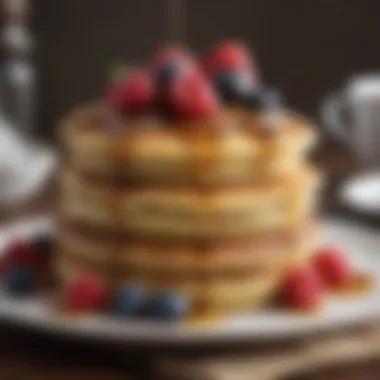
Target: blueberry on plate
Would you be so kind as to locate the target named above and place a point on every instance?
(19, 281)
(169, 306)
(263, 99)
(129, 301)
(233, 85)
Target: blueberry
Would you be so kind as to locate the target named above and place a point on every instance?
(169, 306)
(233, 85)
(129, 301)
(19, 281)
(169, 72)
(263, 99)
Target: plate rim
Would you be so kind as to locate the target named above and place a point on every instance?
(139, 332)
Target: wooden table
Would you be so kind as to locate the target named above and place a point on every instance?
(26, 355)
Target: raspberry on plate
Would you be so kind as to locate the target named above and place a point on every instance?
(85, 293)
(302, 288)
(133, 94)
(19, 253)
(193, 97)
(333, 266)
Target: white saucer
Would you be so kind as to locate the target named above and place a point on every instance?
(362, 243)
(362, 193)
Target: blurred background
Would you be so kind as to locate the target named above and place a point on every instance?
(306, 48)
(58, 54)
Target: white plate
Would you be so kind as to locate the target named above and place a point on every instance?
(361, 242)
(362, 193)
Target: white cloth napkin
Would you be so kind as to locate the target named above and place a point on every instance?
(24, 167)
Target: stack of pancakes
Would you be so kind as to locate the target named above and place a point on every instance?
(217, 212)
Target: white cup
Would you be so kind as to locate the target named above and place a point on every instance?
(352, 116)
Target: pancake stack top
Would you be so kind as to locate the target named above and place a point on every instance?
(189, 178)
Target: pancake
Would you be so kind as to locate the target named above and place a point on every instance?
(224, 276)
(256, 252)
(230, 148)
(216, 210)
(214, 295)
(189, 212)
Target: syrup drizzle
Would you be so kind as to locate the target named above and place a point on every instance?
(176, 20)
(360, 283)
(119, 139)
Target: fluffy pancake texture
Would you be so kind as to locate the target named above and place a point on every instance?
(229, 149)
(190, 212)
(258, 252)
(222, 294)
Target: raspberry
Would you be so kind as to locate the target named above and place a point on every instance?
(171, 72)
(164, 79)
(228, 55)
(193, 97)
(333, 266)
(169, 54)
(85, 293)
(133, 93)
(19, 253)
(302, 288)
